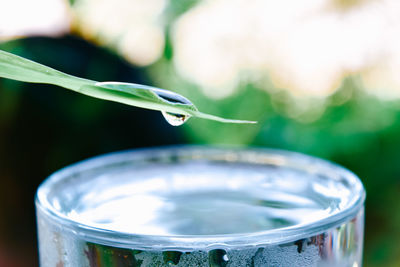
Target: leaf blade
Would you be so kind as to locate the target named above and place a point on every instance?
(21, 69)
(143, 96)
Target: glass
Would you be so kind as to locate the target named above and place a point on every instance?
(201, 206)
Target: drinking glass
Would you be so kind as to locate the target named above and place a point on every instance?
(201, 206)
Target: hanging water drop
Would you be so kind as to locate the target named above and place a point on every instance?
(175, 119)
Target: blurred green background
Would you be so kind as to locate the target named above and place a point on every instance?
(320, 78)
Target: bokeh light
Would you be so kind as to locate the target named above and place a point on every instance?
(132, 27)
(40, 17)
(305, 47)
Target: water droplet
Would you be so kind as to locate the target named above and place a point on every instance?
(218, 258)
(300, 245)
(172, 257)
(175, 119)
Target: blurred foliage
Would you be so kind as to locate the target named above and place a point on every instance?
(177, 8)
(362, 134)
(42, 132)
(44, 128)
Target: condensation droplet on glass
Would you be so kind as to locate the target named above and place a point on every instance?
(172, 258)
(218, 258)
(175, 119)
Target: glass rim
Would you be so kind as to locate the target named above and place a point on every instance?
(282, 158)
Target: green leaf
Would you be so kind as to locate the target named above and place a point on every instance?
(21, 69)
